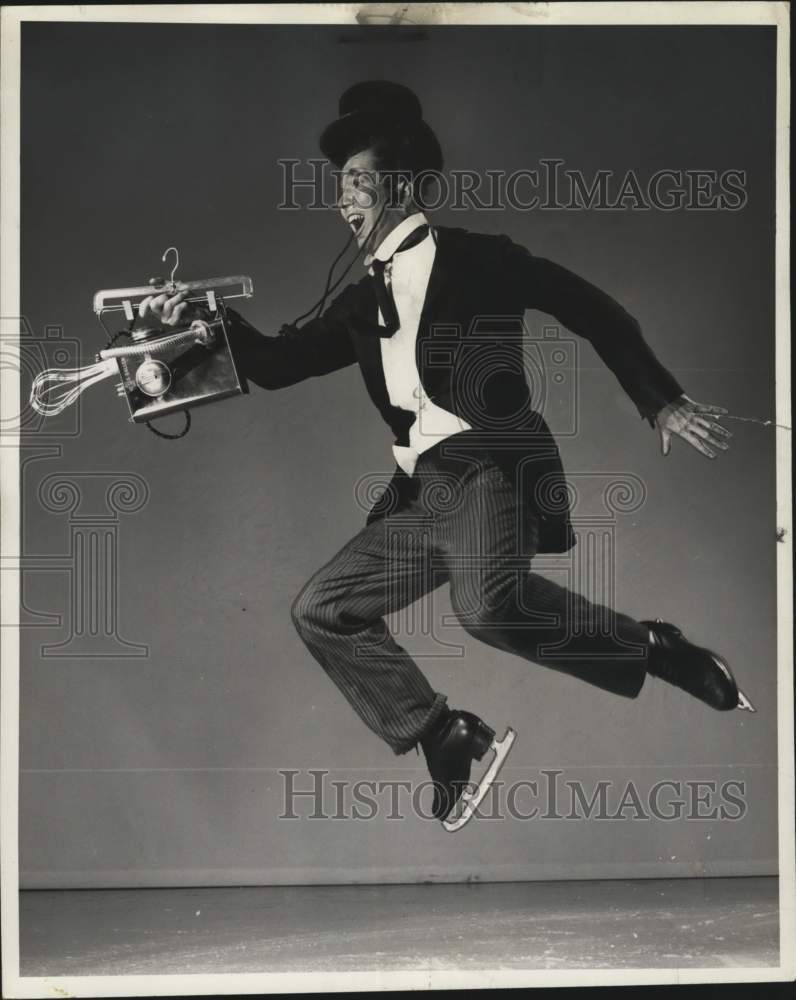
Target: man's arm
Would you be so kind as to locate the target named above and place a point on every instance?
(273, 362)
(616, 336)
(592, 314)
(294, 354)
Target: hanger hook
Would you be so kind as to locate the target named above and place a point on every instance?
(176, 261)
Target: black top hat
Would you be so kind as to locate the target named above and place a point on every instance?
(375, 108)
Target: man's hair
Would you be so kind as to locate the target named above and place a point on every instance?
(403, 154)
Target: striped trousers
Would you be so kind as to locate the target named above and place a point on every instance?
(464, 526)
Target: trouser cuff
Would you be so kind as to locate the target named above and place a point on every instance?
(437, 708)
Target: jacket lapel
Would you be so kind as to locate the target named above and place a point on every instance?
(438, 316)
(436, 311)
(440, 271)
(368, 345)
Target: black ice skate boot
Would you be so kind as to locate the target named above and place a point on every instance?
(457, 739)
(699, 671)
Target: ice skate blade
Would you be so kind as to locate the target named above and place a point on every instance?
(470, 800)
(744, 705)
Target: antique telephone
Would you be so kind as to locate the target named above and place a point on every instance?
(162, 370)
(169, 370)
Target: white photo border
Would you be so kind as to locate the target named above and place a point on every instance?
(564, 13)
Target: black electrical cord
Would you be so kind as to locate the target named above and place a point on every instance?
(318, 306)
(113, 337)
(172, 437)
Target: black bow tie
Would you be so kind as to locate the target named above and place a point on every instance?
(383, 293)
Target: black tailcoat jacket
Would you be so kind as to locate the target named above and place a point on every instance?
(471, 360)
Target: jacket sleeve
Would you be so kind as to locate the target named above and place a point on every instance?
(595, 316)
(321, 346)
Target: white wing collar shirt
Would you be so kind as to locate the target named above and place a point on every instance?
(406, 275)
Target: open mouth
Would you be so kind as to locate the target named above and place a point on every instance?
(356, 221)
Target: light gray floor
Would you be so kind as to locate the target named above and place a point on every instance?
(513, 925)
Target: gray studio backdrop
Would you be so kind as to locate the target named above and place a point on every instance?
(161, 702)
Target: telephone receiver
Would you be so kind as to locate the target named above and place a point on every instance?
(162, 369)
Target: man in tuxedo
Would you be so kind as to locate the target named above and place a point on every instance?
(436, 327)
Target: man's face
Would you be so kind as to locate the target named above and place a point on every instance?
(365, 201)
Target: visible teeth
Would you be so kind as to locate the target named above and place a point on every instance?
(355, 221)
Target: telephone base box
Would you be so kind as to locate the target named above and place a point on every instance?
(194, 373)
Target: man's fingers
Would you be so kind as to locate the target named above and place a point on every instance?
(152, 304)
(716, 428)
(700, 430)
(708, 408)
(162, 307)
(698, 443)
(177, 313)
(171, 304)
(666, 442)
(716, 443)
(145, 306)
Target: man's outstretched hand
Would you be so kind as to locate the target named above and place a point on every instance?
(695, 423)
(170, 310)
